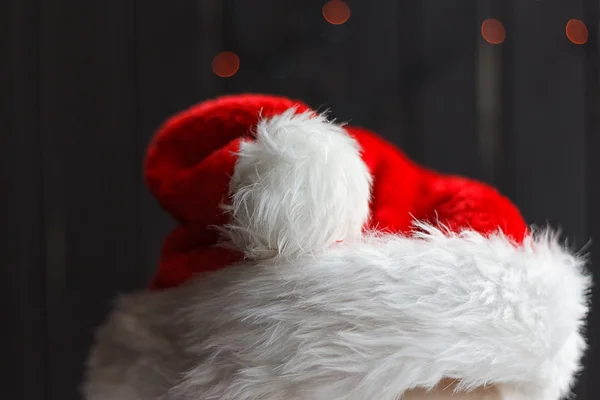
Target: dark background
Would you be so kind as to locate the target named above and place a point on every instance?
(84, 84)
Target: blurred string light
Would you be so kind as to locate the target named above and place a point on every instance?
(336, 12)
(576, 31)
(226, 64)
(493, 31)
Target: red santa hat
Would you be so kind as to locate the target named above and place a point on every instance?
(315, 261)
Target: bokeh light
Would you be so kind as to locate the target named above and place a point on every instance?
(336, 12)
(493, 31)
(226, 64)
(576, 31)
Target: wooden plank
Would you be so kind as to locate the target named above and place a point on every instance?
(410, 79)
(89, 128)
(589, 387)
(445, 102)
(173, 71)
(545, 106)
(21, 207)
(489, 98)
(376, 72)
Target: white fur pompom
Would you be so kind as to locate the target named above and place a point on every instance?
(300, 187)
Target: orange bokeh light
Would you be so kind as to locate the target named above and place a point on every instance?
(226, 64)
(336, 12)
(576, 31)
(493, 31)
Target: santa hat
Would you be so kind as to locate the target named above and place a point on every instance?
(193, 157)
(315, 261)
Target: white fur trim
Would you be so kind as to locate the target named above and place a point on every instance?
(359, 322)
(298, 188)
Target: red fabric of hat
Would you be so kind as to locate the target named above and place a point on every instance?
(192, 157)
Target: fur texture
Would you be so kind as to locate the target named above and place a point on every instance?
(358, 322)
(298, 188)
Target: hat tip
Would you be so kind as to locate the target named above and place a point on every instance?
(299, 187)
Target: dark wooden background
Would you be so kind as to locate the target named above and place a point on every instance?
(85, 83)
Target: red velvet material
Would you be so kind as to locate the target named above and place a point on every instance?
(191, 158)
